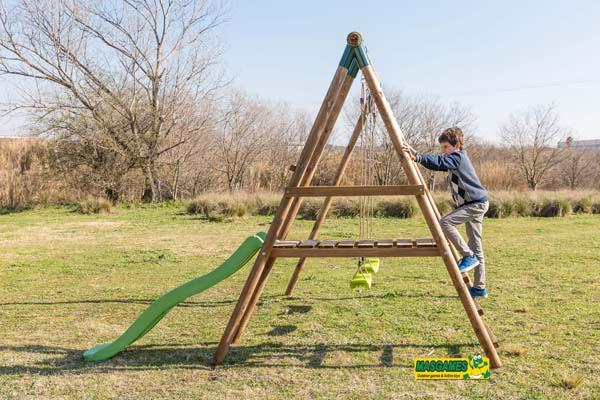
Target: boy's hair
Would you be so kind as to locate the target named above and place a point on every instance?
(453, 136)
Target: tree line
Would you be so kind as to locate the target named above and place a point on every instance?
(128, 100)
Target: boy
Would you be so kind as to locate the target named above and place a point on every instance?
(471, 200)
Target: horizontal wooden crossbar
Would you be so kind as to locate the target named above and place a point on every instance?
(360, 243)
(297, 252)
(332, 191)
(356, 248)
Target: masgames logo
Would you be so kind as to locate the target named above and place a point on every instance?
(471, 367)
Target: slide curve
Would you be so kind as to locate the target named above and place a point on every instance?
(161, 306)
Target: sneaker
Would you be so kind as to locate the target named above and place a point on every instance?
(467, 263)
(478, 292)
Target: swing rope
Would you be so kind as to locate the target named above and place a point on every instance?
(366, 266)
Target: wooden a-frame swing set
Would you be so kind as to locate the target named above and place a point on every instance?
(354, 59)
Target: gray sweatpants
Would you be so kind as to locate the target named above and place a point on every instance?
(472, 216)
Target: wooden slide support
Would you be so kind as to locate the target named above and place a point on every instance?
(275, 245)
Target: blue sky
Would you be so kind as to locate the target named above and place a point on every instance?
(483, 54)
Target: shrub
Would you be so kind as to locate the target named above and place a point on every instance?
(582, 206)
(521, 207)
(506, 208)
(596, 208)
(444, 206)
(309, 209)
(232, 208)
(565, 206)
(397, 209)
(554, 208)
(93, 206)
(495, 210)
(202, 205)
(266, 206)
(550, 209)
(345, 208)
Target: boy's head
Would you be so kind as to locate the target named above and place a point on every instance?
(451, 140)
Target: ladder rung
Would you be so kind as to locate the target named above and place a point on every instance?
(404, 243)
(346, 243)
(328, 243)
(286, 243)
(308, 243)
(365, 243)
(424, 242)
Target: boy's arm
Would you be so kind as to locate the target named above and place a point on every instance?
(437, 162)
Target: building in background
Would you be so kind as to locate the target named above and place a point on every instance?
(589, 144)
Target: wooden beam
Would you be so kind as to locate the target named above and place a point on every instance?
(256, 274)
(323, 129)
(355, 252)
(339, 191)
(430, 216)
(358, 127)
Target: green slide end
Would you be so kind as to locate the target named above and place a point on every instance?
(157, 310)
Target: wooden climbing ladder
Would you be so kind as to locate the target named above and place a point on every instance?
(354, 59)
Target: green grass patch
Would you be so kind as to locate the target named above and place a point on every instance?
(69, 281)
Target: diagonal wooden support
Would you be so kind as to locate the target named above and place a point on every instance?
(306, 179)
(430, 216)
(327, 202)
(280, 216)
(457, 257)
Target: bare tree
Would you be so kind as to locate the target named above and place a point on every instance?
(577, 166)
(242, 139)
(532, 136)
(130, 68)
(421, 119)
(288, 135)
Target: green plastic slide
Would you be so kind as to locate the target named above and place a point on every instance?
(153, 314)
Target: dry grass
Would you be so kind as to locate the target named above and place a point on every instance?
(513, 350)
(503, 204)
(572, 381)
(93, 206)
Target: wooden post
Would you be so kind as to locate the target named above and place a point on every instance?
(430, 216)
(282, 212)
(438, 216)
(328, 200)
(310, 172)
(295, 206)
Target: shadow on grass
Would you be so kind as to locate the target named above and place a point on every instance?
(389, 295)
(63, 360)
(204, 304)
(292, 309)
(282, 330)
(12, 210)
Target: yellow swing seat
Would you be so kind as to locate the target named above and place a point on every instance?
(361, 280)
(371, 265)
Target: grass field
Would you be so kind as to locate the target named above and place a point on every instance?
(69, 281)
